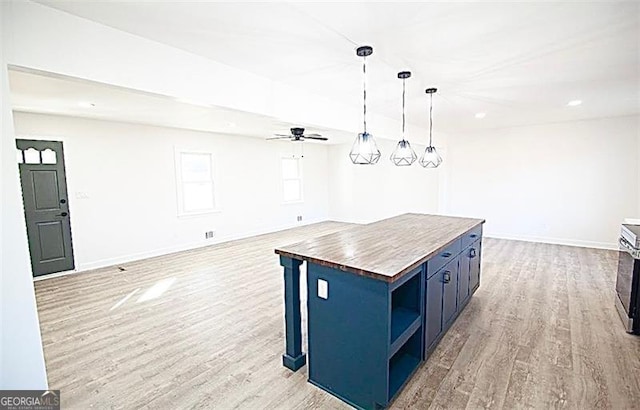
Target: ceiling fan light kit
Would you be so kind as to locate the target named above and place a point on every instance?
(298, 135)
(403, 155)
(364, 150)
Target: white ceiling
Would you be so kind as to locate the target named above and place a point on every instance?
(520, 63)
(38, 93)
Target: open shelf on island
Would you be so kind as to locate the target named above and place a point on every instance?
(403, 363)
(404, 323)
(401, 320)
(405, 309)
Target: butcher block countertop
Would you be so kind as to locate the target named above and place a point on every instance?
(383, 250)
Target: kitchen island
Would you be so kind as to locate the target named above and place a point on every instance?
(380, 298)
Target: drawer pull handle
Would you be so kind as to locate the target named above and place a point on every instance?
(473, 235)
(446, 254)
(472, 253)
(446, 277)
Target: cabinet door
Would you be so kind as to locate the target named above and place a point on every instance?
(449, 277)
(474, 266)
(463, 277)
(433, 313)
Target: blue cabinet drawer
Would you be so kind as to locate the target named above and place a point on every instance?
(471, 236)
(443, 257)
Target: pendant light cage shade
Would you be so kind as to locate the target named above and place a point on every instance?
(364, 150)
(430, 158)
(403, 155)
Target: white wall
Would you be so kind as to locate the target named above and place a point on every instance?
(128, 174)
(21, 359)
(570, 183)
(365, 193)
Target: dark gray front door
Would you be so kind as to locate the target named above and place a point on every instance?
(46, 205)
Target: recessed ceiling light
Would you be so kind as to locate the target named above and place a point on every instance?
(574, 103)
(86, 104)
(481, 115)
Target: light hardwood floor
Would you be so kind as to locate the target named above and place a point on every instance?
(204, 329)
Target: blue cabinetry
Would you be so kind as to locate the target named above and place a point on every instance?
(367, 332)
(433, 312)
(474, 265)
(452, 277)
(463, 280)
(469, 276)
(450, 292)
(366, 336)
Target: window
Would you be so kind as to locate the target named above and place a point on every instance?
(31, 156)
(291, 179)
(48, 156)
(34, 156)
(195, 182)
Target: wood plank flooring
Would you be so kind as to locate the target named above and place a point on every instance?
(204, 329)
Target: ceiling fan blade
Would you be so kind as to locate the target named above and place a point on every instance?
(312, 135)
(282, 135)
(280, 138)
(316, 138)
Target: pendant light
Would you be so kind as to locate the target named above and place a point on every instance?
(430, 158)
(364, 149)
(403, 155)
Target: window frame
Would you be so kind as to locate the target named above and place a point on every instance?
(181, 212)
(299, 178)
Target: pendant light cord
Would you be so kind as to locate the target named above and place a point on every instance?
(364, 83)
(403, 92)
(430, 119)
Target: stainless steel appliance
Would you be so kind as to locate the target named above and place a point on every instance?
(628, 280)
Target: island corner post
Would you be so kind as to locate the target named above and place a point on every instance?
(293, 358)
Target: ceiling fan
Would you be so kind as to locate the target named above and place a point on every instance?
(297, 134)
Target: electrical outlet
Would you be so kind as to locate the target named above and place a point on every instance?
(323, 289)
(299, 218)
(208, 234)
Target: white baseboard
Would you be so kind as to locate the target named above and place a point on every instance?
(351, 221)
(555, 241)
(103, 263)
(201, 244)
(540, 239)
